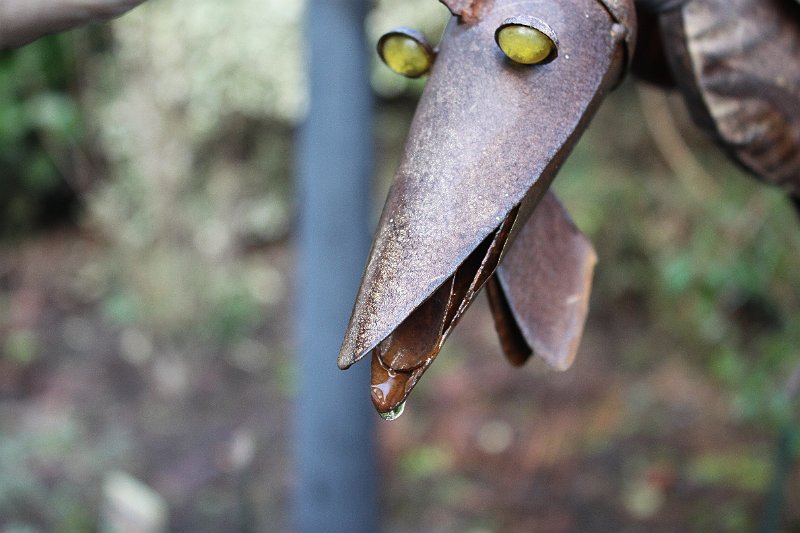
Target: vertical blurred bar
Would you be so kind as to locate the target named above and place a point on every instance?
(334, 423)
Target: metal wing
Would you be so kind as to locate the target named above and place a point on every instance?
(540, 293)
(737, 63)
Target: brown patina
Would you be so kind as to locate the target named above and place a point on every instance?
(484, 146)
(468, 10)
(469, 206)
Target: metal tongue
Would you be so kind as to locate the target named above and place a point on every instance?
(401, 358)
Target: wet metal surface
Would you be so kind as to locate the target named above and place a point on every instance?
(485, 132)
(401, 358)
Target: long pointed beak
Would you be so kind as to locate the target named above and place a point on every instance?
(484, 146)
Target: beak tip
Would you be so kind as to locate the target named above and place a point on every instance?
(563, 366)
(345, 360)
(351, 353)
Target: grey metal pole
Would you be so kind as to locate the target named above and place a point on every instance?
(335, 460)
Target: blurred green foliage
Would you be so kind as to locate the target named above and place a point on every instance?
(40, 470)
(195, 123)
(21, 346)
(201, 166)
(39, 122)
(710, 261)
(424, 463)
(732, 470)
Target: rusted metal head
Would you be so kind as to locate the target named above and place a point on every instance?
(484, 146)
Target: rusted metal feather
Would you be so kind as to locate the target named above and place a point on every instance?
(737, 63)
(542, 288)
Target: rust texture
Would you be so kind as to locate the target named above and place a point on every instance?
(485, 132)
(469, 10)
(543, 288)
(469, 206)
(402, 357)
(623, 12)
(484, 146)
(736, 61)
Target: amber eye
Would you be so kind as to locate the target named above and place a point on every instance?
(406, 52)
(527, 40)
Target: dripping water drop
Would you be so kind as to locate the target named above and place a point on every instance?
(395, 413)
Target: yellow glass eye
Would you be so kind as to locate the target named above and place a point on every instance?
(406, 52)
(527, 41)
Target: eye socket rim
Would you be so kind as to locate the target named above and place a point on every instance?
(535, 23)
(414, 35)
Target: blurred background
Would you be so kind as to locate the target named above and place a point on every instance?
(147, 216)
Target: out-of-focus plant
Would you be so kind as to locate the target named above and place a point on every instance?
(39, 123)
(705, 254)
(700, 261)
(46, 469)
(195, 111)
(194, 106)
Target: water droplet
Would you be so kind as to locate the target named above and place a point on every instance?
(395, 413)
(389, 389)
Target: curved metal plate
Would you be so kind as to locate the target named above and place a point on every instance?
(546, 280)
(738, 64)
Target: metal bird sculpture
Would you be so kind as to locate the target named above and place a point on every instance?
(511, 87)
